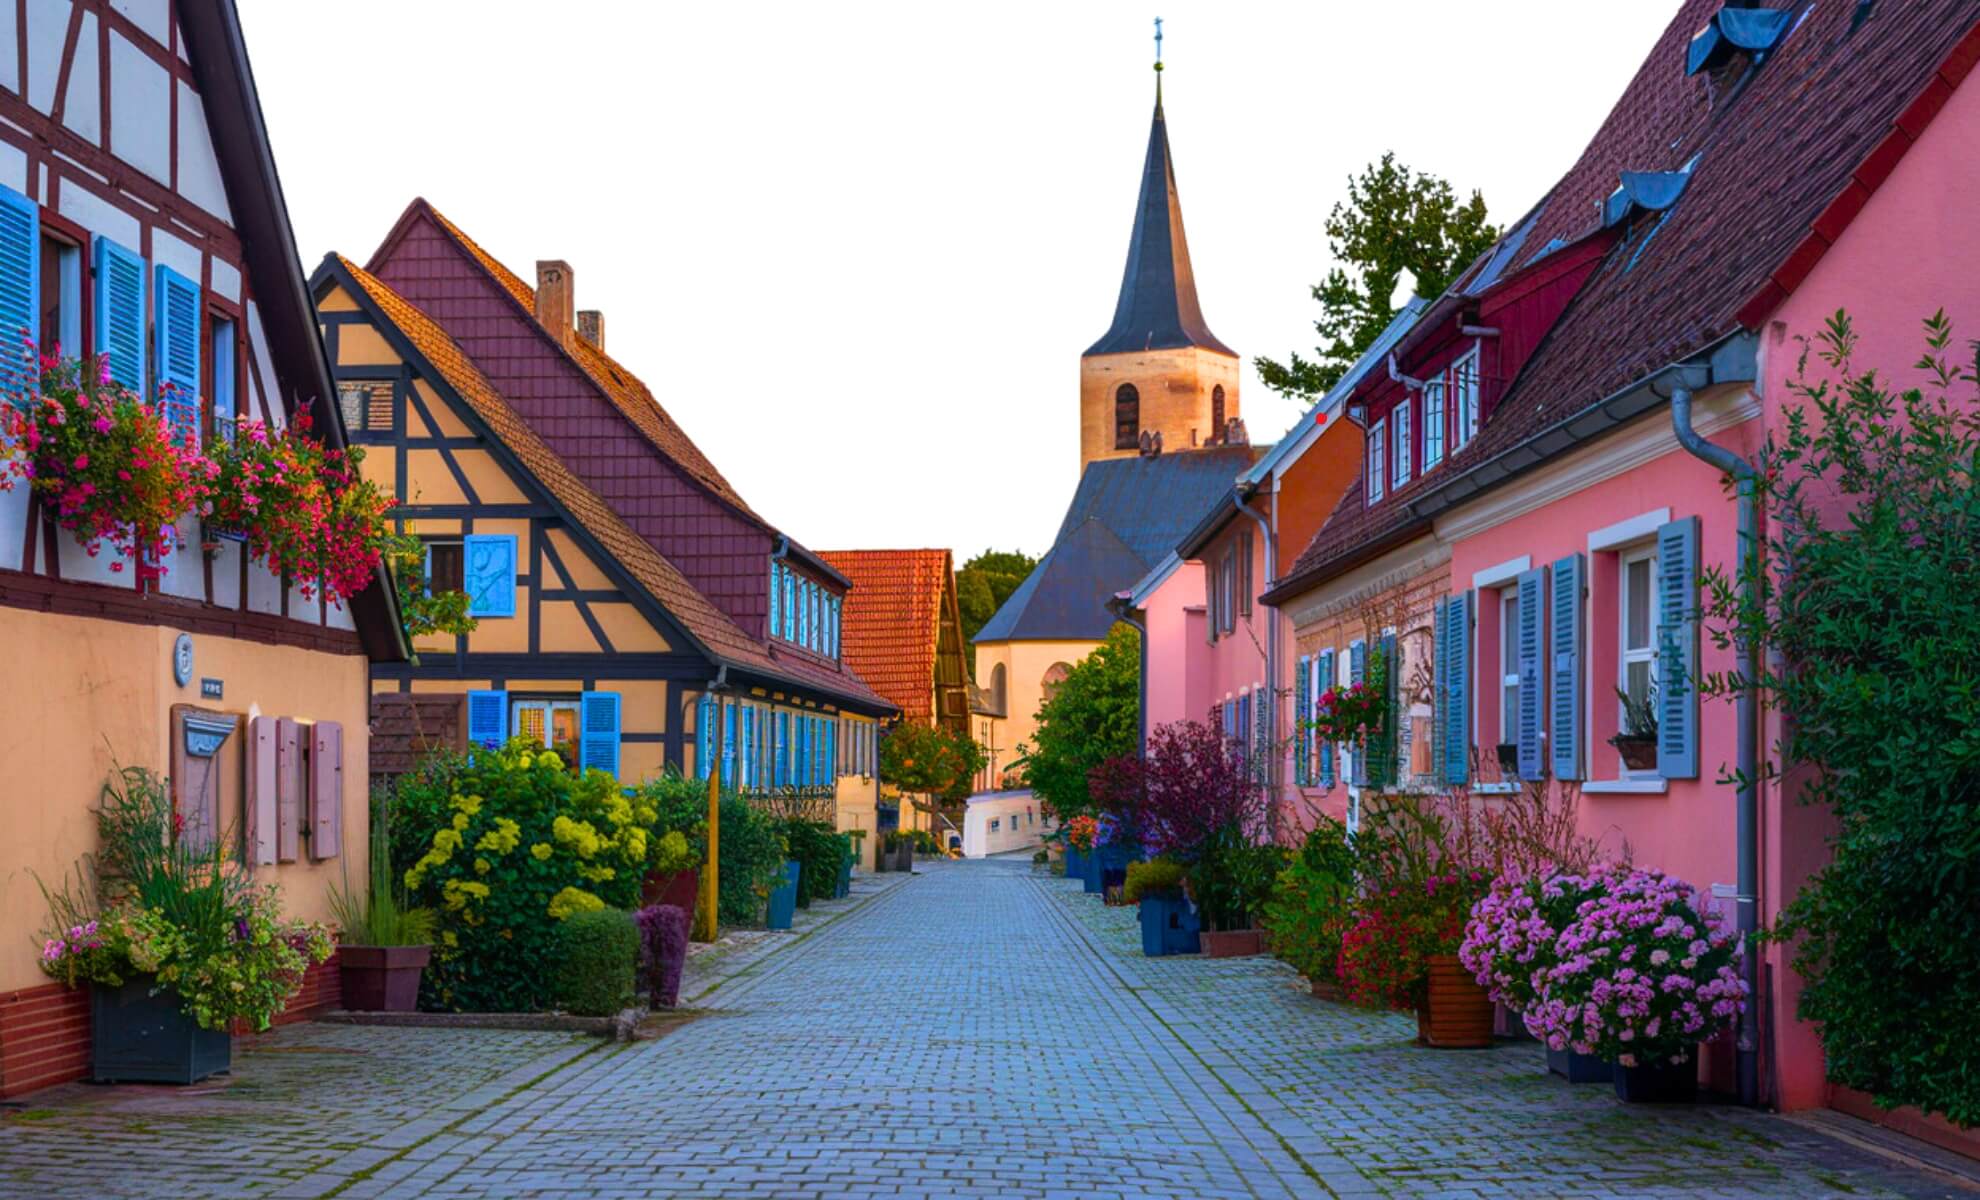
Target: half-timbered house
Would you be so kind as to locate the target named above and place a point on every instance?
(141, 219)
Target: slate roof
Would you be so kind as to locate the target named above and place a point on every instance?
(1151, 503)
(1157, 309)
(703, 621)
(1065, 596)
(892, 619)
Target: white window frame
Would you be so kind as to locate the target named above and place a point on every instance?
(1400, 429)
(1433, 423)
(1645, 552)
(1466, 399)
(1508, 665)
(1378, 452)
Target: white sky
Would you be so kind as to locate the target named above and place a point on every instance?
(856, 250)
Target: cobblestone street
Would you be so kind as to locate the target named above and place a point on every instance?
(978, 1030)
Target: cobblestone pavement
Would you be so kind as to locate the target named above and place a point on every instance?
(978, 1031)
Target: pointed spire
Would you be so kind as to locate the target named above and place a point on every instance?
(1157, 309)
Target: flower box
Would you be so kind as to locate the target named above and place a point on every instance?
(139, 1037)
(1459, 1011)
(1638, 753)
(1091, 873)
(382, 978)
(1168, 926)
(1232, 943)
(1660, 1082)
(782, 908)
(1578, 1068)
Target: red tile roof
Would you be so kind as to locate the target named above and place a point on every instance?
(892, 621)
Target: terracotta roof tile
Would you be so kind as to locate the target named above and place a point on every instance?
(892, 621)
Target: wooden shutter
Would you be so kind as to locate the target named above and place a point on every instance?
(1677, 649)
(177, 343)
(1527, 645)
(1387, 769)
(1564, 668)
(704, 736)
(1327, 751)
(1455, 718)
(119, 305)
(288, 788)
(776, 603)
(1244, 572)
(20, 297)
(490, 574)
(598, 732)
(326, 790)
(261, 791)
(488, 718)
(1302, 713)
(1358, 673)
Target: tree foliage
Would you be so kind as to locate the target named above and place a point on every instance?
(1094, 716)
(931, 760)
(1871, 601)
(1394, 220)
(985, 582)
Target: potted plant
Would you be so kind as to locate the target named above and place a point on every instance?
(1081, 833)
(1637, 742)
(1311, 906)
(1168, 923)
(673, 873)
(179, 944)
(1231, 883)
(1643, 976)
(1512, 941)
(385, 943)
(1202, 806)
(1402, 952)
(782, 906)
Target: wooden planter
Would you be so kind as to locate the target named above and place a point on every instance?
(1232, 943)
(381, 978)
(136, 1037)
(1458, 1012)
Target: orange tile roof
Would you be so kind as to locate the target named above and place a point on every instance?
(661, 579)
(892, 620)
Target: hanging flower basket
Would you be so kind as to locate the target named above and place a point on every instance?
(306, 511)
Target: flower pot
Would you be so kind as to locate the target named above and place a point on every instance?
(783, 899)
(1075, 864)
(381, 978)
(904, 857)
(1168, 926)
(845, 884)
(1231, 943)
(1327, 989)
(1114, 862)
(1578, 1068)
(1638, 753)
(136, 1037)
(1661, 1082)
(1091, 873)
(1459, 1010)
(680, 889)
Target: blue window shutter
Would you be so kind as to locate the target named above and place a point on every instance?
(1456, 714)
(776, 605)
(20, 295)
(1388, 767)
(704, 736)
(598, 732)
(790, 606)
(1327, 751)
(1677, 649)
(746, 761)
(488, 718)
(1357, 673)
(1440, 677)
(1527, 647)
(1564, 668)
(729, 743)
(490, 574)
(1302, 738)
(120, 312)
(831, 751)
(804, 613)
(177, 341)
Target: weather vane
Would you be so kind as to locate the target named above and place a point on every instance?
(1158, 43)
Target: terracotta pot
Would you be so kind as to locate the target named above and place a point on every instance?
(1638, 753)
(1232, 943)
(1459, 1011)
(381, 978)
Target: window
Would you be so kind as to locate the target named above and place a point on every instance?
(1227, 592)
(223, 381)
(1244, 573)
(1217, 414)
(366, 405)
(1464, 387)
(994, 825)
(1127, 418)
(554, 723)
(61, 296)
(1433, 423)
(1378, 459)
(1054, 676)
(1508, 665)
(1399, 421)
(1637, 670)
(446, 565)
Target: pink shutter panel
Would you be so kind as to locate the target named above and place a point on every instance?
(326, 790)
(288, 787)
(261, 791)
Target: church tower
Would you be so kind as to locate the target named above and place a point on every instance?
(1158, 372)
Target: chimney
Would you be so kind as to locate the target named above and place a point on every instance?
(553, 297)
(591, 326)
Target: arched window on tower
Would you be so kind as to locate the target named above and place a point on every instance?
(1127, 418)
(1217, 413)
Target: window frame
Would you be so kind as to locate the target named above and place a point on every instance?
(1467, 400)
(1378, 452)
(1508, 664)
(1399, 445)
(72, 244)
(456, 541)
(1433, 422)
(1639, 552)
(550, 703)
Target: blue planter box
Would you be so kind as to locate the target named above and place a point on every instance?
(1075, 864)
(136, 1037)
(1089, 871)
(1114, 862)
(845, 886)
(1579, 1068)
(1168, 926)
(783, 901)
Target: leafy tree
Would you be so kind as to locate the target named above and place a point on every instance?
(1393, 220)
(931, 760)
(1094, 716)
(985, 582)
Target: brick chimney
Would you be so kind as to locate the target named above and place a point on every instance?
(591, 326)
(554, 301)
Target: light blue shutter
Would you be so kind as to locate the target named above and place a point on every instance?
(1358, 673)
(177, 341)
(729, 744)
(804, 612)
(598, 732)
(1677, 649)
(1532, 595)
(776, 604)
(790, 605)
(488, 718)
(1388, 771)
(1263, 742)
(490, 574)
(1564, 660)
(1440, 676)
(120, 312)
(1302, 713)
(704, 737)
(831, 752)
(20, 297)
(1456, 715)
(1327, 751)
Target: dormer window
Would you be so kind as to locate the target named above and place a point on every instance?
(1464, 401)
(1433, 423)
(1378, 459)
(1399, 422)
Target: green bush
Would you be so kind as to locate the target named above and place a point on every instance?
(680, 806)
(1094, 716)
(1156, 877)
(1232, 879)
(820, 852)
(751, 861)
(597, 957)
(1312, 903)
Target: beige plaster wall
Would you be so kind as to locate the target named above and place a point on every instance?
(1025, 664)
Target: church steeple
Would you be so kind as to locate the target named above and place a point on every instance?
(1157, 309)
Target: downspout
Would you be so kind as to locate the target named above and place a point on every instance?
(1746, 714)
(1121, 606)
(1273, 773)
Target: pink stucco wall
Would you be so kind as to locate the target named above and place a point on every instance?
(1174, 617)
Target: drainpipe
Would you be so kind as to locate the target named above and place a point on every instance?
(1746, 714)
(1273, 771)
(1122, 605)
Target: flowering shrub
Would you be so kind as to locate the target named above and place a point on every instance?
(1311, 906)
(510, 843)
(1509, 943)
(1197, 788)
(1642, 974)
(107, 466)
(308, 513)
(1355, 714)
(1080, 833)
(1385, 954)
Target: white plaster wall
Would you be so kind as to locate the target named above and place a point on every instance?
(140, 110)
(82, 104)
(199, 168)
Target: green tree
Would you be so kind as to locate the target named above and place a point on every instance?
(1393, 220)
(1094, 716)
(931, 760)
(982, 586)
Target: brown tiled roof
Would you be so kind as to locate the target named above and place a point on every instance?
(661, 579)
(892, 620)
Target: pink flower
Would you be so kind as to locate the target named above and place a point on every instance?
(82, 462)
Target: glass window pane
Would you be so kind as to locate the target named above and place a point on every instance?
(1509, 633)
(564, 724)
(529, 721)
(1637, 601)
(1638, 684)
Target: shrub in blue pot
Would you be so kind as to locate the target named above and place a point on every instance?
(783, 898)
(1168, 923)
